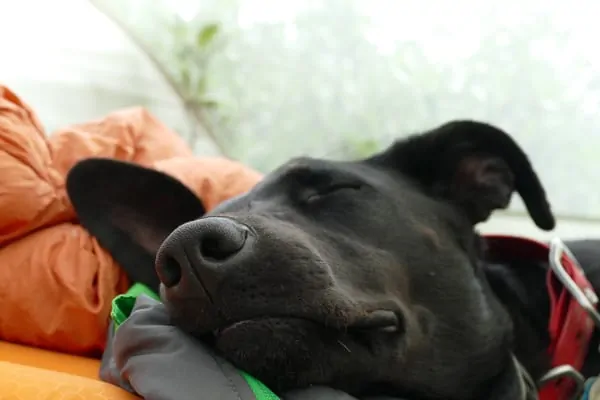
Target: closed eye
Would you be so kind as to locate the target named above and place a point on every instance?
(337, 189)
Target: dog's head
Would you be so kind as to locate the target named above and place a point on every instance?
(360, 275)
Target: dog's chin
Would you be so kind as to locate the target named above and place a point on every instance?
(291, 353)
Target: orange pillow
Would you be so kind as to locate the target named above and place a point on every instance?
(56, 281)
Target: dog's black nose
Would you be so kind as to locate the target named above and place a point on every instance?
(200, 251)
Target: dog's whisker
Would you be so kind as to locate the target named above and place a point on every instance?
(344, 346)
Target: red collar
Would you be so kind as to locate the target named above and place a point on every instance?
(570, 325)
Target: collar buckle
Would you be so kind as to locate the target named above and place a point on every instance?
(565, 372)
(587, 299)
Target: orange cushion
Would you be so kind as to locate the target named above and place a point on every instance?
(27, 373)
(20, 382)
(50, 360)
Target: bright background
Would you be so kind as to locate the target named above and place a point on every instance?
(264, 80)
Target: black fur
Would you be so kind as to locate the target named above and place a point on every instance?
(366, 276)
(130, 210)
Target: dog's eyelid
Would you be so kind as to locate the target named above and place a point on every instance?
(336, 185)
(332, 189)
(342, 185)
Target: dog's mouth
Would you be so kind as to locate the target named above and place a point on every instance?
(380, 320)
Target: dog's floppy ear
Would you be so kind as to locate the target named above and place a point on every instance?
(130, 210)
(473, 164)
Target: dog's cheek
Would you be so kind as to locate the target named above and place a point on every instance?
(283, 354)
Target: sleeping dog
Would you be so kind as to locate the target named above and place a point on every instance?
(367, 276)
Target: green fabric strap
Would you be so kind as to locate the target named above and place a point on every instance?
(123, 304)
(261, 392)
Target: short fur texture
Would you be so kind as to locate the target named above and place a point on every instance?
(365, 275)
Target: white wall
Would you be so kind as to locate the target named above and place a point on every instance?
(521, 225)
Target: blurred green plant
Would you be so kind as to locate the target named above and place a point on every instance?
(365, 147)
(355, 147)
(182, 55)
(194, 47)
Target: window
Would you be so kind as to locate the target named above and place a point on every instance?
(344, 77)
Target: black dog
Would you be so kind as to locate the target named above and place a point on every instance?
(366, 276)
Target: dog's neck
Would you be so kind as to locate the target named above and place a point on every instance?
(520, 287)
(513, 383)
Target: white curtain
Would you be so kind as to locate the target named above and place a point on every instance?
(72, 64)
(319, 78)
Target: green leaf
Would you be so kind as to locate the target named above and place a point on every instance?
(207, 34)
(179, 30)
(363, 147)
(209, 104)
(201, 85)
(185, 76)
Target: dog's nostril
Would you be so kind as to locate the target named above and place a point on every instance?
(223, 245)
(171, 272)
(197, 253)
